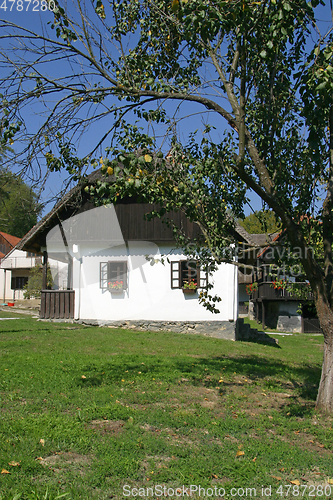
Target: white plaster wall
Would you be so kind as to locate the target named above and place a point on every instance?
(8, 292)
(149, 295)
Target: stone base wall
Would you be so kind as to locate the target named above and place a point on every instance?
(290, 323)
(217, 329)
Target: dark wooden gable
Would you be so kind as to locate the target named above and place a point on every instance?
(135, 226)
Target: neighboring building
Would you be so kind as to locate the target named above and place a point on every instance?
(7, 243)
(112, 262)
(271, 304)
(14, 273)
(12, 282)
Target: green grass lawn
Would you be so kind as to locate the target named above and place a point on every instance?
(88, 411)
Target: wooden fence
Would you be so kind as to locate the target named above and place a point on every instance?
(57, 304)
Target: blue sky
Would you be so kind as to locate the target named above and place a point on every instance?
(38, 20)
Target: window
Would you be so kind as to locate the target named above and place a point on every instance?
(18, 282)
(185, 271)
(113, 275)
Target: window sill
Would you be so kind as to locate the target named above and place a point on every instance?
(189, 290)
(117, 290)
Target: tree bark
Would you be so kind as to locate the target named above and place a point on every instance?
(325, 392)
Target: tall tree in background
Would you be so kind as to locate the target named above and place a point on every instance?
(19, 207)
(261, 222)
(237, 65)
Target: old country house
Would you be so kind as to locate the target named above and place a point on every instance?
(114, 270)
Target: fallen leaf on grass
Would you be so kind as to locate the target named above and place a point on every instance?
(278, 478)
(4, 471)
(83, 376)
(42, 442)
(240, 453)
(39, 458)
(254, 459)
(330, 481)
(296, 482)
(215, 476)
(14, 464)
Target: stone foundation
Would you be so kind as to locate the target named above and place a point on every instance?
(217, 329)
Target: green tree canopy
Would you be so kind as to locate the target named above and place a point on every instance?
(19, 207)
(254, 80)
(261, 222)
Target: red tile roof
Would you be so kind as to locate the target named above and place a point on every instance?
(12, 240)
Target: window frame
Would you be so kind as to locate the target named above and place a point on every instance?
(178, 275)
(106, 273)
(18, 280)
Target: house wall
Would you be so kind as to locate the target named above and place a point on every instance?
(18, 264)
(289, 319)
(283, 316)
(242, 295)
(149, 295)
(6, 293)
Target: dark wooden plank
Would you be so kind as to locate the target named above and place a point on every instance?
(42, 305)
(52, 302)
(61, 305)
(66, 304)
(47, 305)
(72, 304)
(56, 304)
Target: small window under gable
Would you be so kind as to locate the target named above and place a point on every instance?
(113, 274)
(186, 271)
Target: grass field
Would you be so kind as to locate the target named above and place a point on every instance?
(92, 413)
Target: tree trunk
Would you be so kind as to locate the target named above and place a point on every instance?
(325, 391)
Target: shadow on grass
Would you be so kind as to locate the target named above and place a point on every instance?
(205, 372)
(268, 341)
(304, 378)
(297, 409)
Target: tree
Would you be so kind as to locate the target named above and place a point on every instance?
(240, 66)
(32, 290)
(260, 222)
(19, 207)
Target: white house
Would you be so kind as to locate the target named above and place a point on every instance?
(112, 262)
(14, 273)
